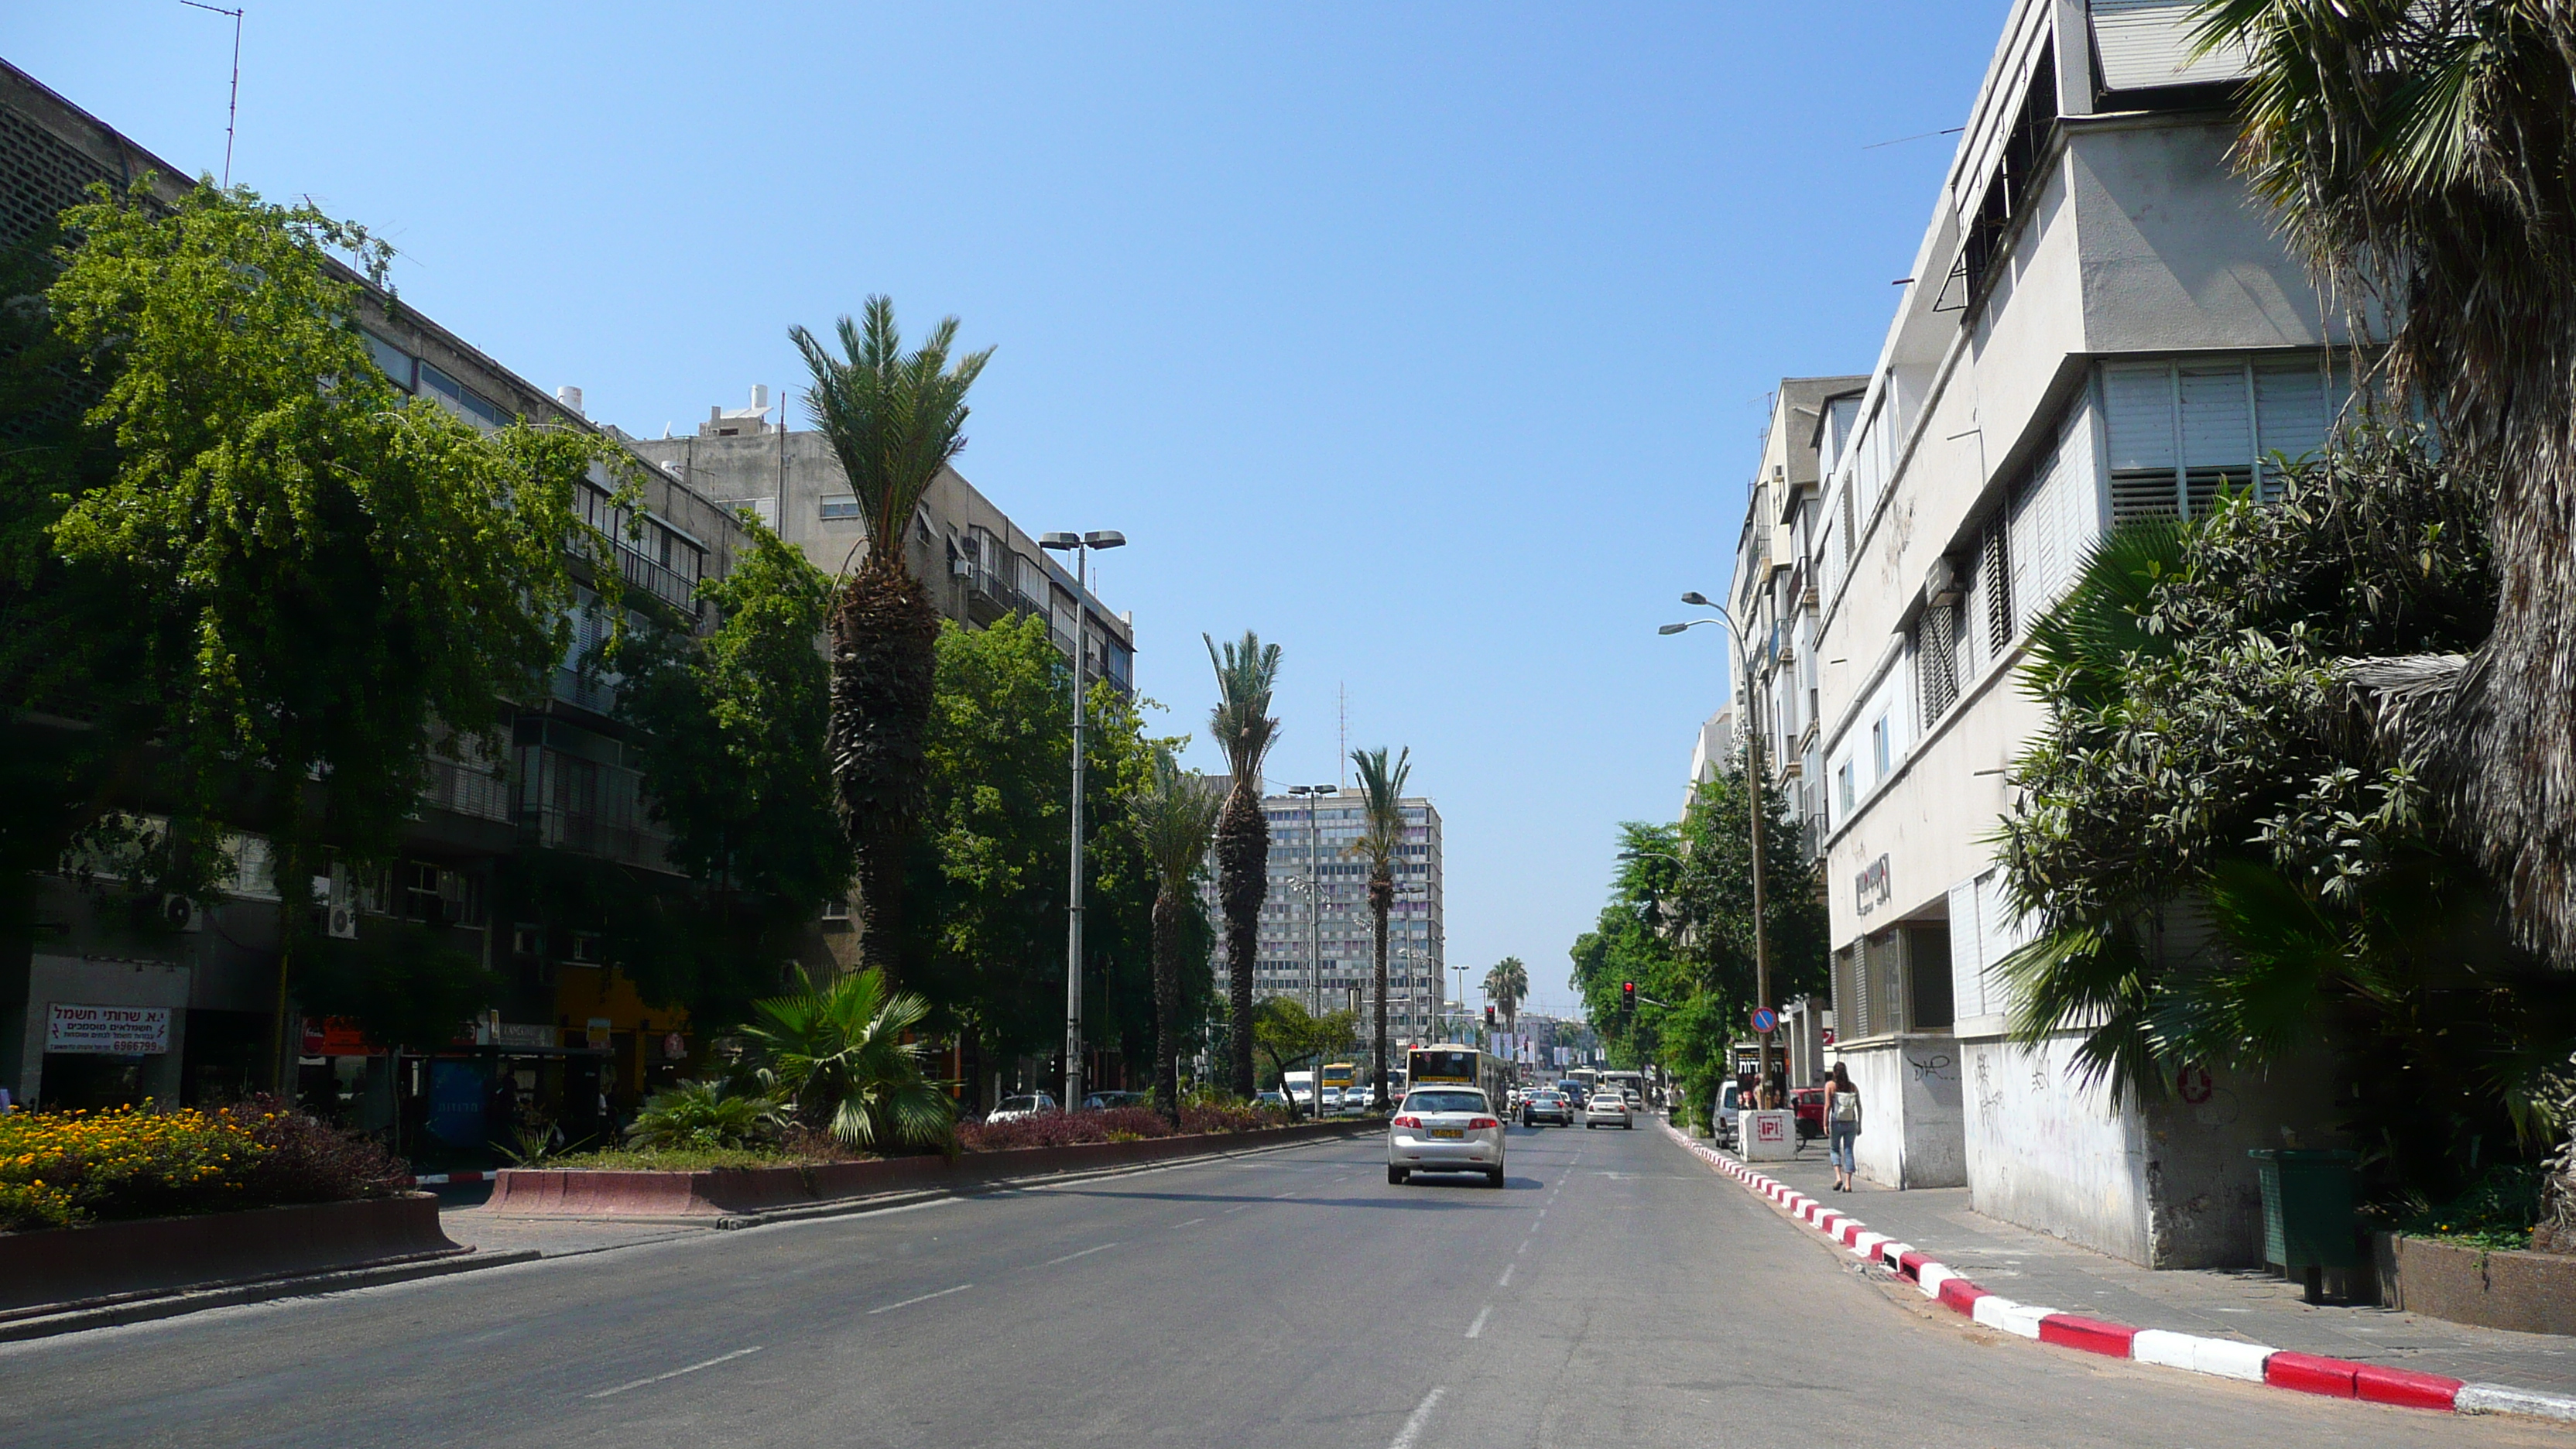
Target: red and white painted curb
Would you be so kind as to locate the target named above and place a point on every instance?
(2219, 1357)
(442, 1179)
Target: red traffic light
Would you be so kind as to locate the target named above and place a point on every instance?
(1628, 994)
(1489, 1014)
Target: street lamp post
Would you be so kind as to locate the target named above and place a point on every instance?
(1753, 788)
(1080, 546)
(1314, 927)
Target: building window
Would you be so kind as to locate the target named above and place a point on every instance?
(840, 506)
(2181, 431)
(1936, 661)
(1878, 747)
(1843, 784)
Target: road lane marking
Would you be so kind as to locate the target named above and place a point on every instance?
(1238, 1207)
(1413, 1426)
(1506, 1280)
(1524, 1247)
(675, 1373)
(924, 1298)
(1478, 1327)
(1186, 1224)
(1069, 1257)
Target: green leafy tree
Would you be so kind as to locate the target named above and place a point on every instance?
(1243, 727)
(2418, 155)
(893, 419)
(735, 768)
(2205, 774)
(1379, 842)
(1173, 821)
(985, 941)
(1286, 1033)
(321, 570)
(842, 1056)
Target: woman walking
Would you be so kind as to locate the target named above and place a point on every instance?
(1842, 1125)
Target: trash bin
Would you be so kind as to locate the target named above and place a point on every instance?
(2307, 1212)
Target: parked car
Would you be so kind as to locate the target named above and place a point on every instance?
(1272, 1098)
(1331, 1106)
(1445, 1129)
(1549, 1107)
(1807, 1106)
(1015, 1108)
(1608, 1109)
(1102, 1101)
(1725, 1114)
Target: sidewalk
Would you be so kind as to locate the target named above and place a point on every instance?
(2244, 1304)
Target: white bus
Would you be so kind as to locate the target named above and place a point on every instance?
(1450, 1064)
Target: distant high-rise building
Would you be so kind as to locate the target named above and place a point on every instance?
(1329, 962)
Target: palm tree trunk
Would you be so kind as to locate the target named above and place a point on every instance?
(1167, 1003)
(1381, 901)
(885, 638)
(1243, 881)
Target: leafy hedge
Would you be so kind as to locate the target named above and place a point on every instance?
(64, 1168)
(1114, 1124)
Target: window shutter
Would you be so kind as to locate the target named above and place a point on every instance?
(1994, 580)
(2137, 408)
(1967, 952)
(2148, 44)
(2217, 433)
(2291, 415)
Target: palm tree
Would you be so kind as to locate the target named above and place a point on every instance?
(2418, 154)
(840, 1057)
(1507, 985)
(1173, 819)
(1381, 839)
(893, 419)
(1244, 729)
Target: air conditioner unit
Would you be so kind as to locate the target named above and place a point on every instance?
(341, 921)
(182, 914)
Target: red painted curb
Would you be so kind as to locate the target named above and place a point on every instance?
(2310, 1374)
(2404, 1387)
(1960, 1296)
(1911, 1264)
(2092, 1335)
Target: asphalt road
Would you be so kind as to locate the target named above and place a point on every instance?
(1616, 1293)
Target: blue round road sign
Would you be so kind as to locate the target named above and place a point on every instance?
(1765, 1020)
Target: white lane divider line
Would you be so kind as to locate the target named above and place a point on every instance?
(1238, 1207)
(924, 1298)
(1069, 1257)
(1188, 1222)
(1413, 1425)
(675, 1373)
(1506, 1280)
(1523, 1248)
(1477, 1328)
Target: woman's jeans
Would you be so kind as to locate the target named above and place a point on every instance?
(1838, 1146)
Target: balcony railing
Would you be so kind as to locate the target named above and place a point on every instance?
(467, 790)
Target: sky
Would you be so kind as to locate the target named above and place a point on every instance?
(1431, 341)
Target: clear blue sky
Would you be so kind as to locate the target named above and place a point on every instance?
(1432, 341)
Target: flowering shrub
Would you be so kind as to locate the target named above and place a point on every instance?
(1114, 1124)
(62, 1168)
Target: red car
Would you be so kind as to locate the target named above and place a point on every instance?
(1807, 1105)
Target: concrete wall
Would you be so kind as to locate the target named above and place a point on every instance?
(2165, 1185)
(1910, 1111)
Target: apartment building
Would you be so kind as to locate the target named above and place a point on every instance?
(1317, 941)
(1775, 597)
(2101, 325)
(979, 566)
(97, 1008)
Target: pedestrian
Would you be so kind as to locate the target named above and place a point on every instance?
(1842, 1125)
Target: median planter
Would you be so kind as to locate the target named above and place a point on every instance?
(66, 1266)
(724, 1192)
(2526, 1292)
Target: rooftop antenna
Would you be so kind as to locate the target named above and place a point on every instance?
(1346, 734)
(232, 108)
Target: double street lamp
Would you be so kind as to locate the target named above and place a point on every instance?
(1753, 788)
(1314, 927)
(1080, 546)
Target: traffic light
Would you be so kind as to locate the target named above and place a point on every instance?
(1628, 998)
(1489, 1014)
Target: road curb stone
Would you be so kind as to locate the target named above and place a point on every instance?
(2193, 1353)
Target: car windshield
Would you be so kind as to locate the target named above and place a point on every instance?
(1019, 1104)
(1445, 1102)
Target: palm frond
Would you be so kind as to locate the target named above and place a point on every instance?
(892, 418)
(1241, 723)
(1381, 832)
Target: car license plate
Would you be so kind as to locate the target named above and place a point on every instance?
(1459, 1132)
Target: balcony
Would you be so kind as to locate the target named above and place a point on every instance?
(650, 575)
(588, 807)
(465, 789)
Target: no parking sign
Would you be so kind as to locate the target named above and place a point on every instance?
(1765, 1020)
